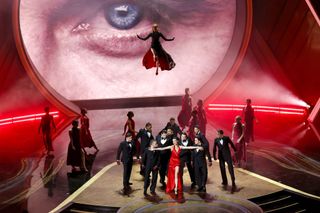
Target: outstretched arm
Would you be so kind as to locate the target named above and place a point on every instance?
(191, 147)
(144, 38)
(166, 39)
(162, 148)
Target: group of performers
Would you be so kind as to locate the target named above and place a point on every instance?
(172, 149)
(80, 138)
(167, 154)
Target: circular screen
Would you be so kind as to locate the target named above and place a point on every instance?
(90, 50)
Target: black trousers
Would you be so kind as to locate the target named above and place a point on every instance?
(222, 162)
(201, 173)
(127, 168)
(184, 162)
(153, 181)
(164, 162)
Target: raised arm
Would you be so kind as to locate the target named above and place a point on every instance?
(144, 38)
(166, 39)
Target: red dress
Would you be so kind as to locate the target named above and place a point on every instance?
(174, 162)
(185, 113)
(133, 133)
(85, 135)
(240, 146)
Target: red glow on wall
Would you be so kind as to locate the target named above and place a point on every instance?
(25, 118)
(258, 108)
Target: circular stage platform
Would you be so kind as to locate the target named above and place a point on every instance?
(105, 190)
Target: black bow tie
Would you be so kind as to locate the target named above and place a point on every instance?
(184, 141)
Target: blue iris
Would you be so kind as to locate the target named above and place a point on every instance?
(123, 15)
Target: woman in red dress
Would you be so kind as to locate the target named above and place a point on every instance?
(174, 181)
(156, 55)
(85, 135)
(130, 127)
(238, 130)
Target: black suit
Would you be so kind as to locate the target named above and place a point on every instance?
(144, 139)
(150, 160)
(176, 129)
(206, 146)
(224, 155)
(127, 152)
(144, 143)
(164, 157)
(185, 158)
(200, 167)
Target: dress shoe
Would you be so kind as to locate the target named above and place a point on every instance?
(129, 183)
(145, 193)
(153, 193)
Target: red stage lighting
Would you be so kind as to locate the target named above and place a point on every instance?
(258, 108)
(25, 118)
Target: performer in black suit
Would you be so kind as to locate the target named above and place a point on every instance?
(200, 165)
(185, 157)
(224, 155)
(127, 149)
(164, 141)
(151, 163)
(145, 136)
(176, 129)
(204, 143)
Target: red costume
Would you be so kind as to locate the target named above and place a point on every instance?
(185, 113)
(85, 135)
(202, 120)
(165, 60)
(46, 125)
(130, 124)
(240, 155)
(248, 114)
(173, 163)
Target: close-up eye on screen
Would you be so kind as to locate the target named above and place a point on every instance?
(89, 49)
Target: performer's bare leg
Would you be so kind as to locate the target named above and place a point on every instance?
(176, 173)
(155, 58)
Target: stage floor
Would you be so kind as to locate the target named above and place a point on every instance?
(105, 190)
(40, 183)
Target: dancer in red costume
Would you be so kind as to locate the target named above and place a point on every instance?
(85, 135)
(46, 125)
(156, 55)
(130, 127)
(238, 130)
(186, 108)
(174, 182)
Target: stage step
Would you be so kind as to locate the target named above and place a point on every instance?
(287, 201)
(84, 208)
